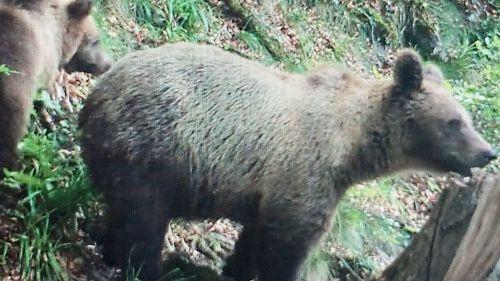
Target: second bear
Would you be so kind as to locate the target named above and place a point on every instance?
(37, 38)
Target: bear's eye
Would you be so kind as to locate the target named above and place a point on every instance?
(455, 124)
(95, 42)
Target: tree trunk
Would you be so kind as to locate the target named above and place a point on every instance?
(480, 247)
(461, 240)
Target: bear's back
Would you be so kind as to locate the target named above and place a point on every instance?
(194, 103)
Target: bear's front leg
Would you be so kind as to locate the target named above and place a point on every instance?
(241, 266)
(281, 258)
(13, 119)
(285, 239)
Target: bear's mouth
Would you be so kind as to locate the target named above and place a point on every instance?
(79, 64)
(453, 165)
(463, 170)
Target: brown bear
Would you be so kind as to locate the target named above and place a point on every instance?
(37, 38)
(187, 131)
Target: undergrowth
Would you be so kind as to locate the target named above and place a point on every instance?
(478, 90)
(171, 20)
(56, 198)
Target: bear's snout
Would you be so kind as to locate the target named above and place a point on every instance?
(486, 157)
(103, 65)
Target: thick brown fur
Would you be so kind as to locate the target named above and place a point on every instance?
(195, 132)
(37, 38)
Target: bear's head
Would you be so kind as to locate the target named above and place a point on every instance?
(81, 45)
(438, 132)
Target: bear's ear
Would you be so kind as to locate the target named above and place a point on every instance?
(79, 9)
(408, 71)
(433, 73)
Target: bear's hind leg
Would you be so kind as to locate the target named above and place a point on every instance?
(137, 223)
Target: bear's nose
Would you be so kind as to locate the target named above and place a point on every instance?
(107, 66)
(489, 155)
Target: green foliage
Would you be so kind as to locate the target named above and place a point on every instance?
(5, 70)
(435, 28)
(4, 249)
(117, 43)
(256, 47)
(57, 197)
(319, 267)
(355, 17)
(358, 233)
(174, 19)
(59, 179)
(38, 250)
(476, 86)
(144, 11)
(187, 19)
(132, 274)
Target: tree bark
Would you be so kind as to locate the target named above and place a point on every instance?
(480, 247)
(461, 240)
